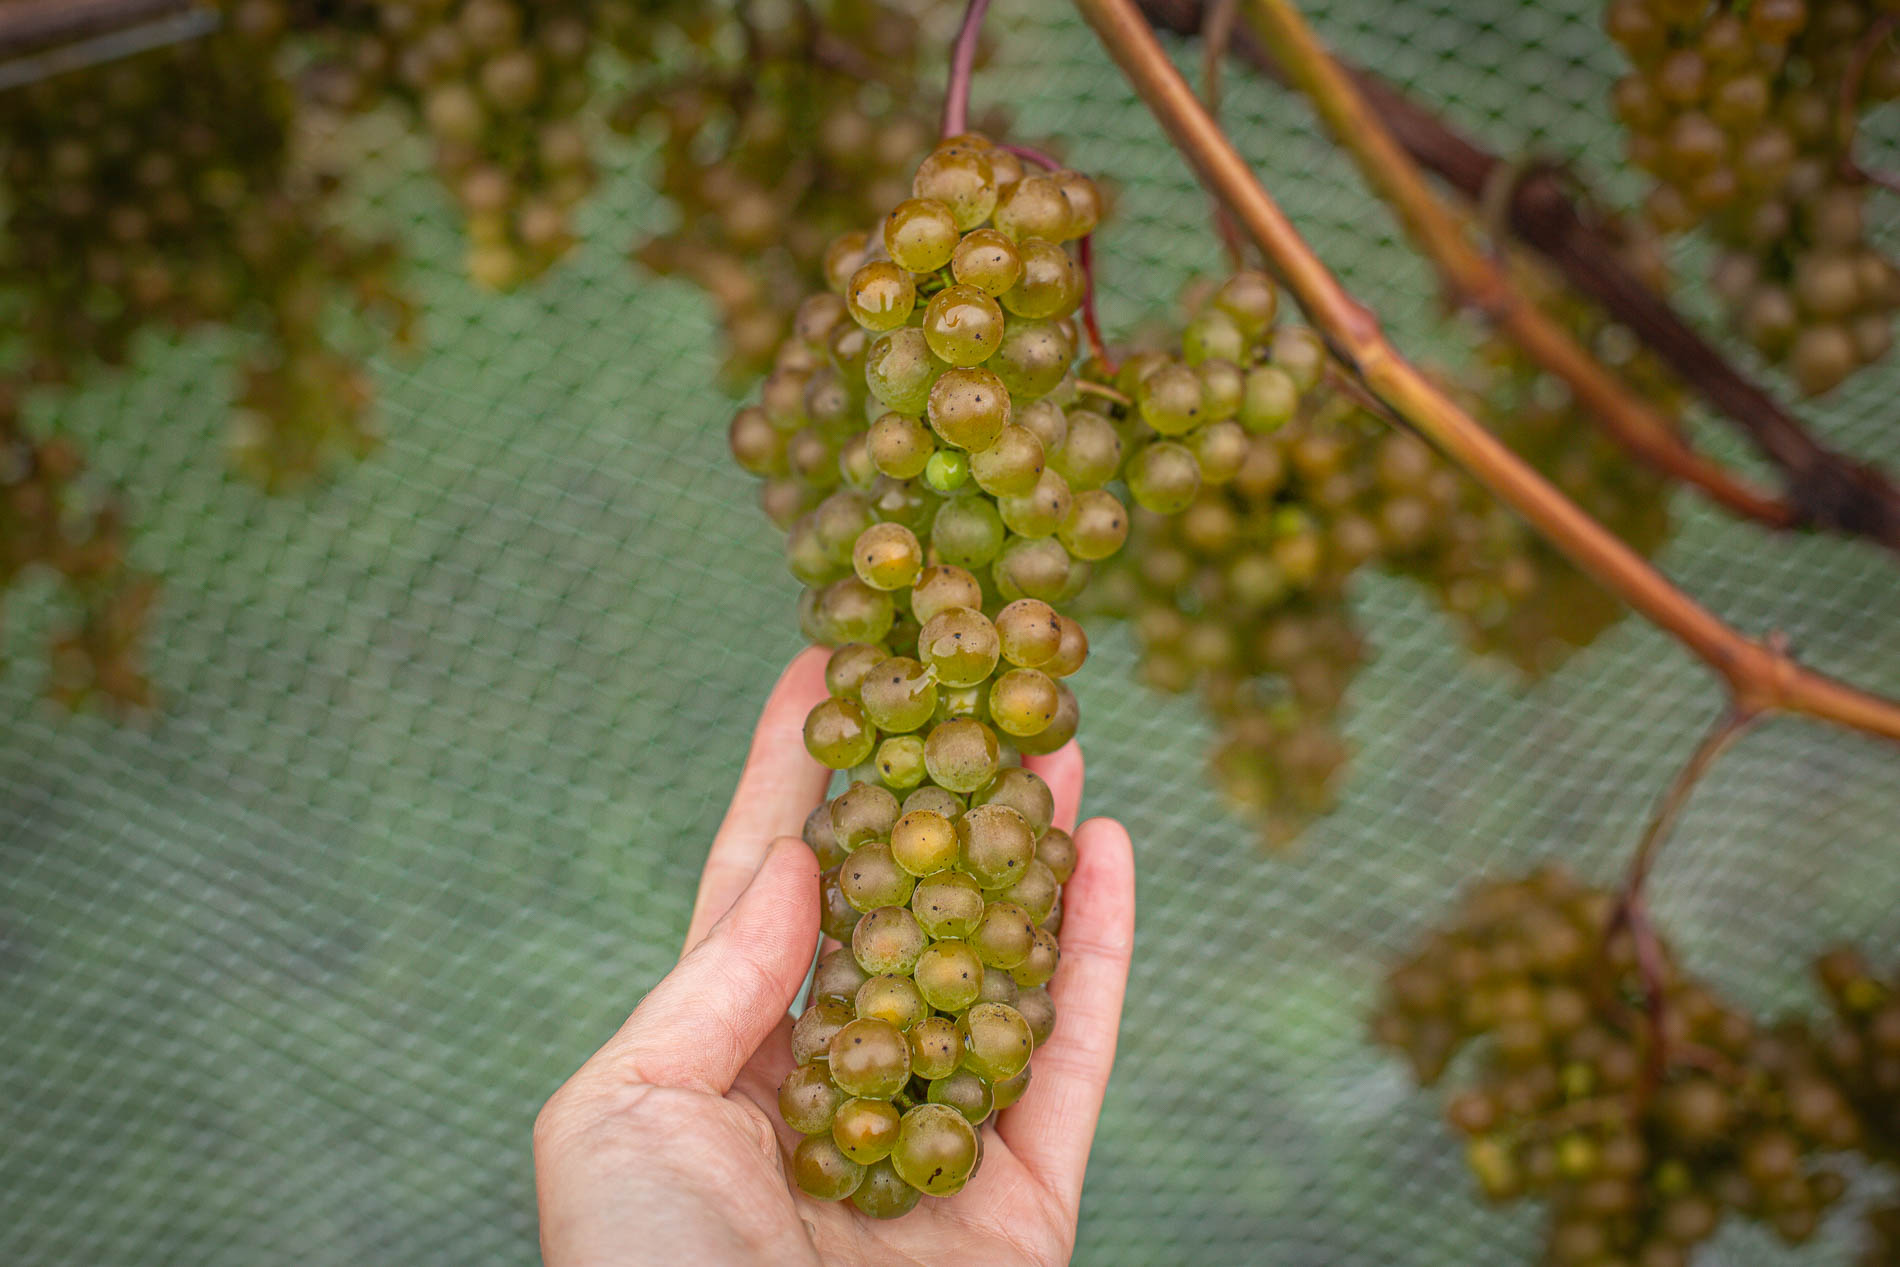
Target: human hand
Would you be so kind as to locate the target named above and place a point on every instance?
(666, 1146)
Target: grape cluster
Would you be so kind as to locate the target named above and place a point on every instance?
(1745, 116)
(1862, 1049)
(1639, 1154)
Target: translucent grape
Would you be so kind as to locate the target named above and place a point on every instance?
(1007, 1092)
(1072, 651)
(812, 1032)
(947, 470)
(757, 446)
(1033, 358)
(949, 975)
(871, 1059)
(846, 668)
(806, 556)
(995, 843)
(935, 1047)
(870, 878)
(1046, 419)
(996, 1041)
(1212, 334)
(1299, 352)
(947, 904)
(1041, 511)
(900, 446)
(881, 296)
(987, 260)
(1034, 891)
(865, 1130)
(1056, 850)
(960, 646)
(848, 610)
(1096, 526)
(1164, 477)
(937, 800)
(900, 369)
(820, 1170)
(1025, 792)
(959, 177)
(1041, 963)
(836, 916)
(968, 408)
(936, 1150)
(1060, 729)
(1223, 385)
(1023, 701)
(961, 754)
(837, 976)
(1091, 451)
(942, 587)
(1033, 208)
(920, 234)
(1220, 448)
(808, 1099)
(968, 531)
(1036, 568)
(1011, 466)
(1051, 284)
(963, 325)
(884, 1194)
(837, 734)
(924, 842)
(1170, 400)
(843, 257)
(963, 701)
(998, 988)
(890, 998)
(1084, 199)
(898, 695)
(966, 1093)
(900, 761)
(818, 835)
(1269, 399)
(1251, 300)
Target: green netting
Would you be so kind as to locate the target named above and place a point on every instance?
(287, 968)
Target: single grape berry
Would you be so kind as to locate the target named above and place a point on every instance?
(963, 326)
(837, 734)
(1025, 792)
(887, 556)
(871, 878)
(924, 842)
(883, 1194)
(871, 1059)
(1003, 937)
(813, 1031)
(821, 1170)
(949, 975)
(936, 1149)
(898, 695)
(968, 408)
(865, 1130)
(988, 260)
(948, 904)
(808, 1099)
(965, 1092)
(996, 1041)
(920, 235)
(961, 754)
(881, 296)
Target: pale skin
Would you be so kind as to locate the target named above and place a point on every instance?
(665, 1147)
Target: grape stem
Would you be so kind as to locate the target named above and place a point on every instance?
(956, 97)
(1217, 32)
(1759, 676)
(1085, 256)
(1847, 108)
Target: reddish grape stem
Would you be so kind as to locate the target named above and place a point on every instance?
(1085, 255)
(956, 98)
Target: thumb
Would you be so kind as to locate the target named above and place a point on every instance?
(699, 1026)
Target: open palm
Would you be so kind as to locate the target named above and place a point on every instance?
(666, 1145)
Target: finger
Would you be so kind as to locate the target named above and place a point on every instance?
(697, 1028)
(1051, 1128)
(1063, 771)
(777, 789)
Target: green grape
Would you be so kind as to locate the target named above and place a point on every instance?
(757, 446)
(947, 904)
(887, 939)
(959, 177)
(890, 998)
(1212, 334)
(1039, 1010)
(1040, 512)
(947, 470)
(938, 800)
(949, 975)
(1223, 385)
(968, 408)
(837, 734)
(813, 1031)
(1007, 1092)
(1055, 849)
(843, 257)
(1096, 526)
(1071, 652)
(848, 610)
(1007, 167)
(1091, 452)
(849, 345)
(1299, 352)
(942, 587)
(900, 761)
(1220, 448)
(994, 845)
(1051, 284)
(1033, 208)
(808, 1099)
(963, 701)
(1023, 701)
(1011, 466)
(936, 1150)
(935, 1048)
(861, 814)
(837, 976)
(996, 1041)
(884, 1194)
(987, 260)
(907, 502)
(817, 834)
(1060, 729)
(1034, 568)
(1170, 400)
(963, 325)
(960, 646)
(1164, 477)
(1041, 963)
(924, 842)
(1251, 300)
(898, 695)
(838, 519)
(806, 556)
(1046, 419)
(998, 988)
(1033, 358)
(964, 1092)
(1035, 891)
(961, 754)
(1023, 791)
(870, 878)
(1054, 922)
(881, 296)
(968, 531)
(810, 458)
(836, 916)
(1269, 399)
(920, 234)
(822, 1171)
(817, 318)
(864, 1130)
(845, 670)
(1028, 632)
(900, 369)
(870, 1058)
(900, 447)
(830, 405)
(1084, 199)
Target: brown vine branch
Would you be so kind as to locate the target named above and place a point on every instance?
(1478, 279)
(1760, 678)
(1832, 490)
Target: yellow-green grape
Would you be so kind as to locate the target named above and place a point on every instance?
(947, 904)
(1252, 301)
(908, 502)
(1034, 891)
(963, 325)
(865, 1130)
(942, 587)
(861, 814)
(936, 1150)
(900, 447)
(938, 800)
(947, 470)
(1085, 202)
(900, 761)
(1034, 357)
(1220, 448)
(822, 1171)
(847, 666)
(808, 1099)
(968, 408)
(958, 176)
(1211, 334)
(1028, 632)
(1170, 400)
(837, 976)
(924, 842)
(881, 296)
(965, 1092)
(807, 557)
(1060, 729)
(1096, 526)
(1011, 465)
(813, 1031)
(837, 734)
(998, 988)
(870, 878)
(1039, 1010)
(988, 260)
(1090, 454)
(1164, 477)
(1036, 567)
(1023, 791)
(1051, 284)
(1023, 701)
(848, 610)
(757, 446)
(1055, 849)
(839, 518)
(1071, 651)
(949, 975)
(900, 369)
(1007, 1092)
(898, 695)
(1223, 383)
(996, 1041)
(1299, 352)
(961, 754)
(870, 1059)
(961, 647)
(995, 843)
(920, 235)
(967, 531)
(1033, 208)
(963, 701)
(888, 939)
(935, 1048)
(1041, 511)
(844, 256)
(890, 998)
(1041, 963)
(1046, 419)
(836, 916)
(1269, 399)
(883, 1194)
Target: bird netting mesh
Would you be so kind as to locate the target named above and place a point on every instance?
(288, 964)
